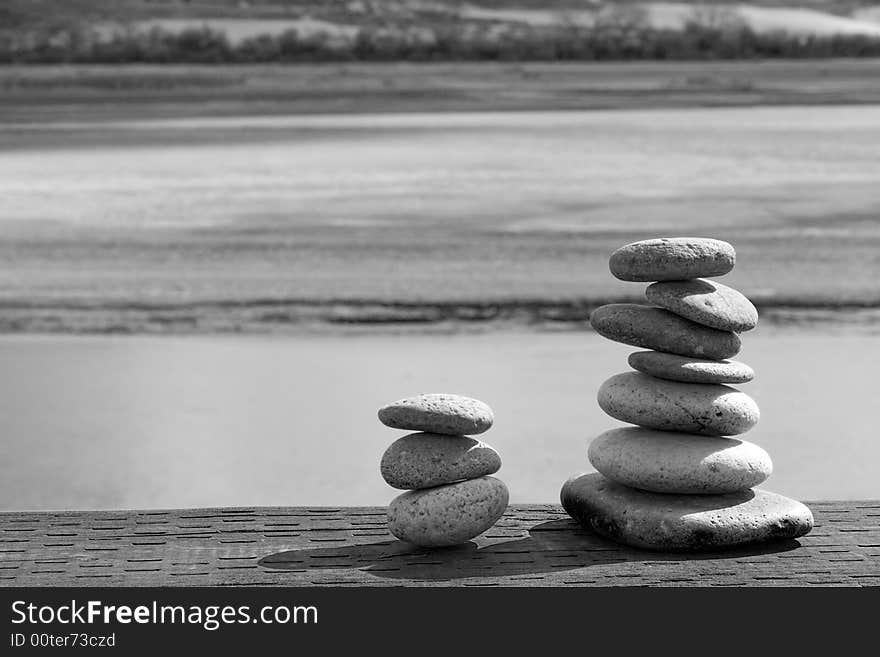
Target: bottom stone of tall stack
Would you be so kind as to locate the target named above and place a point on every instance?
(673, 522)
(448, 515)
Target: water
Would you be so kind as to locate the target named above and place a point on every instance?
(122, 422)
(237, 225)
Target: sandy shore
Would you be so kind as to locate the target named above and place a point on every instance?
(170, 422)
(266, 224)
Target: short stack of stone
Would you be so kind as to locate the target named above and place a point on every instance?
(677, 480)
(451, 496)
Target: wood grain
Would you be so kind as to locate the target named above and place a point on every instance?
(532, 545)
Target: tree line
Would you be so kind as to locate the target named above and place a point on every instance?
(601, 43)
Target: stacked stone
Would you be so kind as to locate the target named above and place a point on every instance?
(677, 480)
(451, 496)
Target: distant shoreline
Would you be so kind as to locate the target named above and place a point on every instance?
(46, 93)
(335, 316)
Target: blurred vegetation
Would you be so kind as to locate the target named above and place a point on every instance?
(52, 32)
(599, 43)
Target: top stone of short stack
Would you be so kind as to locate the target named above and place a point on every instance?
(672, 259)
(438, 413)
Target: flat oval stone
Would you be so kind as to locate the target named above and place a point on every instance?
(448, 515)
(705, 302)
(706, 409)
(670, 462)
(423, 460)
(658, 521)
(672, 259)
(438, 413)
(658, 329)
(690, 370)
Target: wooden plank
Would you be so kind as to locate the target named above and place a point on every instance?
(532, 545)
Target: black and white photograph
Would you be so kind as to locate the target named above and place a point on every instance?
(438, 294)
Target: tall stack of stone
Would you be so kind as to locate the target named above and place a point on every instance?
(677, 480)
(451, 496)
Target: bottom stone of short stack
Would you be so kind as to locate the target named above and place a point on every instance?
(447, 515)
(666, 522)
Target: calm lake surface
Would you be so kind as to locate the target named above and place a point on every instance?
(211, 226)
(143, 422)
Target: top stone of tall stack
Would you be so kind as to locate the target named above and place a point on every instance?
(672, 259)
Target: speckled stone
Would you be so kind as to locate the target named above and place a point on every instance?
(658, 521)
(658, 329)
(448, 515)
(423, 460)
(670, 462)
(711, 410)
(705, 302)
(672, 259)
(438, 413)
(690, 370)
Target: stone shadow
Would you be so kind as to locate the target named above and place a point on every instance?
(554, 546)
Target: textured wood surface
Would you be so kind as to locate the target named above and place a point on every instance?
(532, 545)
